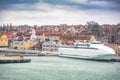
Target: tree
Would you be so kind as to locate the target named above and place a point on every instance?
(113, 39)
(107, 32)
(94, 28)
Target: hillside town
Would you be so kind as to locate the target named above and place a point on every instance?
(25, 37)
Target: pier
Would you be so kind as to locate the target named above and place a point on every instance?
(16, 52)
(11, 53)
(116, 59)
(13, 59)
(19, 51)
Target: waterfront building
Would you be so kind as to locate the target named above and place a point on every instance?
(40, 35)
(37, 46)
(84, 38)
(50, 48)
(77, 38)
(51, 35)
(10, 36)
(54, 35)
(3, 40)
(24, 40)
(22, 45)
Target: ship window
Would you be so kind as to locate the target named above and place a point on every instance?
(96, 42)
(82, 44)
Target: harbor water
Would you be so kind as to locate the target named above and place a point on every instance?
(59, 68)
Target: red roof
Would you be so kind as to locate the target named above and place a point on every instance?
(27, 34)
(70, 42)
(74, 36)
(23, 31)
(3, 33)
(48, 33)
(20, 38)
(27, 39)
(111, 45)
(53, 33)
(8, 34)
(83, 37)
(38, 44)
(10, 37)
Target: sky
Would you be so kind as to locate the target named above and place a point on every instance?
(55, 12)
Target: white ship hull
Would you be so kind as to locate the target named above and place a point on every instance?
(91, 52)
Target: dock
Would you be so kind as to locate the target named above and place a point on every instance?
(19, 51)
(116, 59)
(16, 52)
(13, 59)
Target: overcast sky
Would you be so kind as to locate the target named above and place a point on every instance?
(41, 12)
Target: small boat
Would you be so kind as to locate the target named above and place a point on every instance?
(94, 50)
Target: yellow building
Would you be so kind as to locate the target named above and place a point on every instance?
(3, 41)
(52, 36)
(22, 45)
(85, 38)
(77, 38)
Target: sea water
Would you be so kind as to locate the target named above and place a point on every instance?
(59, 68)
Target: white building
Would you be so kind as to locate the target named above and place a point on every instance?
(50, 48)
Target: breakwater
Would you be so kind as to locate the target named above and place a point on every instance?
(20, 51)
(15, 59)
(17, 52)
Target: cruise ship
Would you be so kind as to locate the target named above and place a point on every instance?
(94, 50)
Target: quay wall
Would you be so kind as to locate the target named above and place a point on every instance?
(16, 52)
(15, 59)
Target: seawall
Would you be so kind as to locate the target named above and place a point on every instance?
(13, 59)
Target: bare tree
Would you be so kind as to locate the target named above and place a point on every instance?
(94, 28)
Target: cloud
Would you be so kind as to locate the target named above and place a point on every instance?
(77, 4)
(45, 12)
(98, 4)
(7, 4)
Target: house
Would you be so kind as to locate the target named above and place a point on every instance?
(53, 35)
(3, 40)
(50, 48)
(84, 38)
(24, 42)
(77, 38)
(10, 35)
(37, 46)
(22, 45)
(66, 37)
(42, 35)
